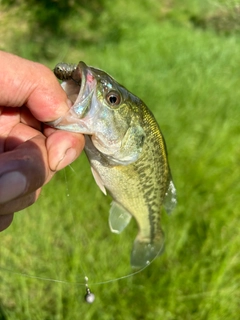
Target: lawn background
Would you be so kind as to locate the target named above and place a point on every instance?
(183, 59)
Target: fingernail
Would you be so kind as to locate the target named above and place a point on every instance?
(12, 185)
(54, 123)
(69, 156)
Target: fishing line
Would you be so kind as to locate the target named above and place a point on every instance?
(86, 278)
(75, 282)
(79, 283)
(89, 296)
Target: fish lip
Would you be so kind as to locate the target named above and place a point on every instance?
(83, 77)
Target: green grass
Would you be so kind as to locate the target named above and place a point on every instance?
(189, 77)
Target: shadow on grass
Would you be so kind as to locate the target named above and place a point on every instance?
(51, 25)
(2, 313)
(223, 21)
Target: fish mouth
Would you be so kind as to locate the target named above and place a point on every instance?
(83, 82)
(79, 88)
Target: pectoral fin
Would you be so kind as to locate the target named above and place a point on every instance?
(130, 149)
(119, 218)
(132, 144)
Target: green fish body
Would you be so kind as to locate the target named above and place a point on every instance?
(127, 153)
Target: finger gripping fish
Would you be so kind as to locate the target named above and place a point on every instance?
(126, 151)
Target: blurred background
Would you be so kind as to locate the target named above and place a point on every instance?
(182, 58)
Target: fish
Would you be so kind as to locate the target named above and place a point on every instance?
(127, 154)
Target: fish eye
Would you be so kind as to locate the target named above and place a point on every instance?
(113, 98)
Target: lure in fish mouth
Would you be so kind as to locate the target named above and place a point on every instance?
(126, 151)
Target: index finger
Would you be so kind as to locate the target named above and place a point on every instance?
(29, 83)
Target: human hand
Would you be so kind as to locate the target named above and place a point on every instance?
(30, 152)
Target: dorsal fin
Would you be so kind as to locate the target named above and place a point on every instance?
(170, 199)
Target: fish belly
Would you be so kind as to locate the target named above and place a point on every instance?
(125, 186)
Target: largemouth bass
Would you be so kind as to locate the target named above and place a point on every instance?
(126, 150)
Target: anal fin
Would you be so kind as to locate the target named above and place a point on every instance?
(170, 200)
(119, 218)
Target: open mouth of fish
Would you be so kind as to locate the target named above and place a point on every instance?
(79, 84)
(80, 88)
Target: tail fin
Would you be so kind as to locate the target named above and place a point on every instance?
(144, 252)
